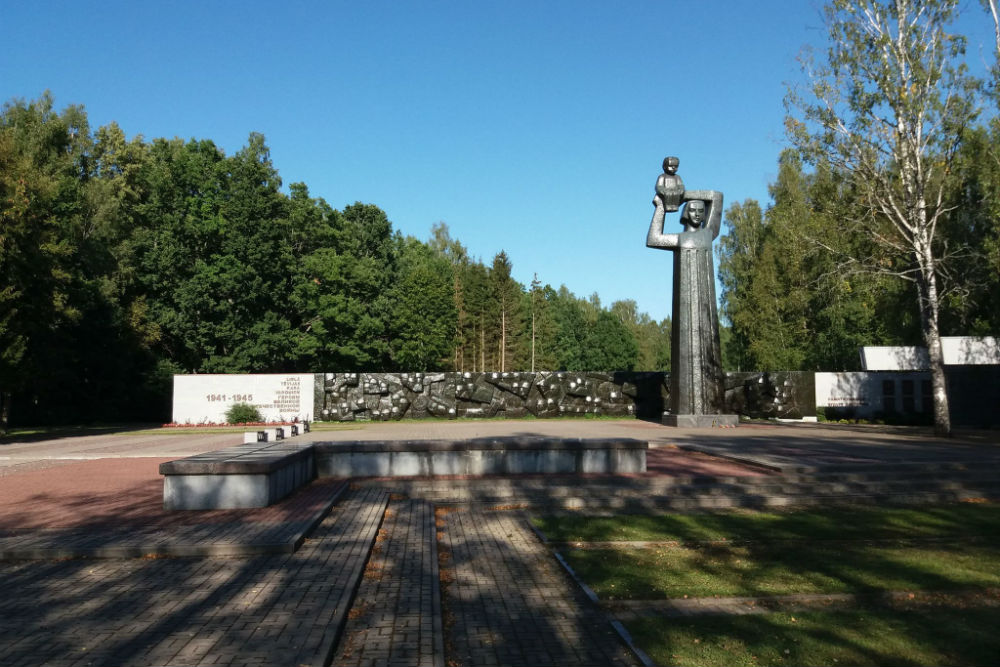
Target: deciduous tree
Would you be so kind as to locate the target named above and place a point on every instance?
(887, 105)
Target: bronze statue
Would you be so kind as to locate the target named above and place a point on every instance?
(669, 186)
(697, 390)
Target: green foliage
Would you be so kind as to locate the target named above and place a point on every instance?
(611, 345)
(213, 257)
(829, 523)
(887, 108)
(543, 327)
(242, 413)
(424, 319)
(124, 261)
(788, 304)
(936, 635)
(971, 303)
(652, 339)
(784, 569)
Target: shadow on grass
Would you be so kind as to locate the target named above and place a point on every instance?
(797, 560)
(875, 637)
(39, 434)
(835, 523)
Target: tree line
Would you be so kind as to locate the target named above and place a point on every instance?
(124, 261)
(791, 304)
(892, 233)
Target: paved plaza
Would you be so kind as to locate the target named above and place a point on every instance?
(94, 571)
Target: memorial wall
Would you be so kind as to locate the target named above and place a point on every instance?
(452, 395)
(204, 398)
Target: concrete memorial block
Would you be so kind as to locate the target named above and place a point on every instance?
(369, 396)
(385, 396)
(244, 476)
(204, 398)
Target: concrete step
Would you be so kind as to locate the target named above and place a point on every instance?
(645, 498)
(510, 490)
(561, 485)
(662, 504)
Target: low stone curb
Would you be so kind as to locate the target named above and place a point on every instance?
(656, 544)
(338, 622)
(742, 606)
(623, 633)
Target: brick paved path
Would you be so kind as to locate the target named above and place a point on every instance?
(396, 619)
(114, 509)
(510, 602)
(269, 610)
(507, 602)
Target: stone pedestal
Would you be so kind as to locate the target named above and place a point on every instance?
(700, 421)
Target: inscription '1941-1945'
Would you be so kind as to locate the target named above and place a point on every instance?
(235, 398)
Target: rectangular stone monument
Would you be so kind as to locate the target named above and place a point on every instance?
(204, 398)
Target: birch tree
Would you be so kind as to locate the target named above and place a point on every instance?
(888, 105)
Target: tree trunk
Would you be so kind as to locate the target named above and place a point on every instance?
(503, 340)
(4, 411)
(927, 295)
(532, 341)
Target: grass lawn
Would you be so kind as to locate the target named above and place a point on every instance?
(933, 636)
(852, 523)
(830, 550)
(768, 569)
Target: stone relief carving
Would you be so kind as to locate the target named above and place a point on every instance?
(392, 396)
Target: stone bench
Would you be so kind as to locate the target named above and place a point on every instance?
(275, 433)
(247, 475)
(480, 456)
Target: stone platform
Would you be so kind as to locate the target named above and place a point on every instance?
(701, 421)
(481, 456)
(244, 476)
(260, 474)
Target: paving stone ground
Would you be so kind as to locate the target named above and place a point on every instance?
(379, 581)
(507, 602)
(396, 618)
(269, 610)
(114, 508)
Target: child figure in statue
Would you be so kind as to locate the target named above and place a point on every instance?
(669, 186)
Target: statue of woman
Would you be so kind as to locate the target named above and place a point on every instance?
(696, 376)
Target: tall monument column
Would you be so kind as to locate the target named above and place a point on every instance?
(697, 388)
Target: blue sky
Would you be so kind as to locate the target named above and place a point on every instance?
(534, 127)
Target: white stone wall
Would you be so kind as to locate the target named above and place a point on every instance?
(956, 350)
(864, 393)
(203, 399)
